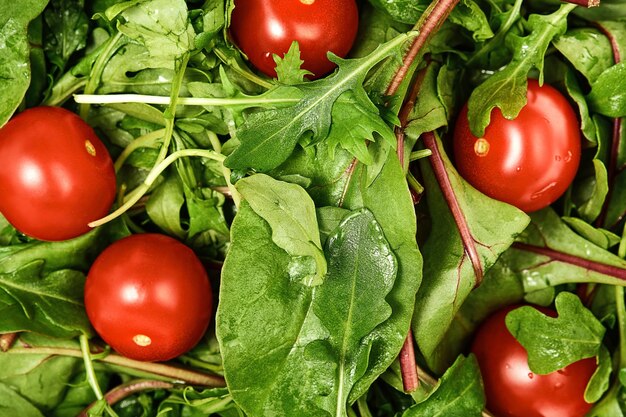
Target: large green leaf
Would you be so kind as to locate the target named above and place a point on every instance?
(450, 269)
(316, 341)
(15, 57)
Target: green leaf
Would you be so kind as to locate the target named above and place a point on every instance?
(316, 341)
(587, 49)
(506, 89)
(290, 213)
(19, 406)
(15, 58)
(469, 15)
(575, 91)
(162, 26)
(554, 343)
(601, 378)
(608, 92)
(51, 304)
(405, 11)
(600, 237)
(164, 207)
(458, 394)
(288, 67)
(429, 113)
(68, 26)
(491, 225)
(268, 137)
(590, 208)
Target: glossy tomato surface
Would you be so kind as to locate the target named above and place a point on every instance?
(528, 162)
(56, 176)
(262, 28)
(512, 390)
(148, 296)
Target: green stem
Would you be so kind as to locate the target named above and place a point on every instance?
(363, 408)
(162, 371)
(91, 374)
(133, 197)
(185, 101)
(141, 142)
(248, 75)
(422, 153)
(96, 71)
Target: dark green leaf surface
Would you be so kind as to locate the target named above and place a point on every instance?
(553, 343)
(608, 92)
(276, 334)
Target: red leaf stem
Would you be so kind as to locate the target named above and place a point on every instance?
(408, 365)
(441, 175)
(428, 24)
(125, 390)
(584, 3)
(612, 170)
(610, 270)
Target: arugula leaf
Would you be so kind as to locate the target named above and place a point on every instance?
(316, 341)
(554, 343)
(506, 89)
(290, 213)
(288, 67)
(15, 59)
(269, 136)
(458, 394)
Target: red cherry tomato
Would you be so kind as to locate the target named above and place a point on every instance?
(528, 162)
(262, 28)
(148, 296)
(512, 390)
(56, 176)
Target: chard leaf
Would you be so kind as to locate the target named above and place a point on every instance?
(608, 92)
(458, 394)
(316, 341)
(268, 137)
(15, 73)
(463, 243)
(290, 212)
(506, 89)
(554, 343)
(549, 254)
(161, 26)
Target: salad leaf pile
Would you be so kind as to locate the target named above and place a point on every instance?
(338, 234)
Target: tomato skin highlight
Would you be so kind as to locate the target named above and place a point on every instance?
(149, 297)
(56, 176)
(528, 162)
(512, 390)
(262, 28)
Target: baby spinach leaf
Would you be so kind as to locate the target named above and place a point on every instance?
(19, 406)
(15, 58)
(290, 213)
(555, 342)
(608, 92)
(600, 237)
(68, 26)
(464, 242)
(587, 49)
(316, 341)
(506, 89)
(269, 136)
(458, 394)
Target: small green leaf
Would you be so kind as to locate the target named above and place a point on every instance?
(601, 378)
(288, 68)
(458, 394)
(608, 92)
(554, 343)
(290, 213)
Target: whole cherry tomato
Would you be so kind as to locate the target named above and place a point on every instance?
(56, 176)
(529, 161)
(262, 28)
(149, 297)
(513, 390)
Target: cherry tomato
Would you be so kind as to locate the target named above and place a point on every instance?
(149, 297)
(528, 162)
(56, 176)
(262, 28)
(512, 390)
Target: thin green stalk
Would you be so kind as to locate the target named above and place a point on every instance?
(422, 153)
(217, 146)
(133, 197)
(363, 408)
(92, 379)
(184, 101)
(144, 141)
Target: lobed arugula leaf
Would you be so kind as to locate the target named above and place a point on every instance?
(458, 394)
(288, 67)
(268, 137)
(506, 89)
(554, 343)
